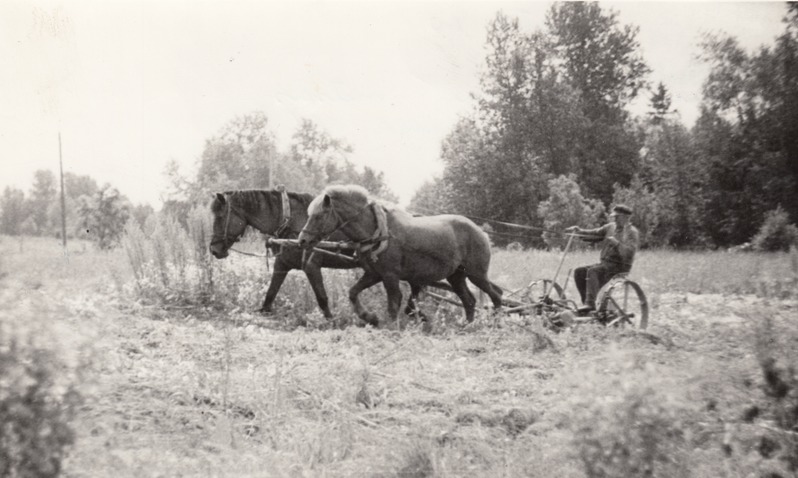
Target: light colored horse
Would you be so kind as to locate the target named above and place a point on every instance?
(396, 246)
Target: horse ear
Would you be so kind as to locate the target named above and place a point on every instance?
(220, 197)
(327, 201)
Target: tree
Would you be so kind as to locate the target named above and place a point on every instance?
(645, 205)
(776, 233)
(76, 186)
(601, 58)
(322, 155)
(551, 103)
(498, 160)
(466, 174)
(13, 211)
(602, 62)
(430, 198)
(326, 161)
(673, 170)
(140, 213)
(238, 157)
(43, 193)
(660, 105)
(567, 207)
(104, 216)
(747, 133)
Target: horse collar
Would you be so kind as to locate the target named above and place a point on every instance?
(380, 236)
(286, 203)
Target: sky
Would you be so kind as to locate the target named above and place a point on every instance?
(131, 85)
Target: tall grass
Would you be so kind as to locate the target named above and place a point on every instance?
(665, 271)
(171, 265)
(173, 268)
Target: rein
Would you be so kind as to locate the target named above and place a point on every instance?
(508, 224)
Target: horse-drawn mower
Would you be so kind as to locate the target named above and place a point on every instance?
(620, 302)
(457, 244)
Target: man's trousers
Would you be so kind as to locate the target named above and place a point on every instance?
(590, 279)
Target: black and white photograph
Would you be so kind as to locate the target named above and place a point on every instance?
(398, 238)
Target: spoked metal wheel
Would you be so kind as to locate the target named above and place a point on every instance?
(537, 295)
(622, 302)
(537, 289)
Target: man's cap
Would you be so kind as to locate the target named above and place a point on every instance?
(621, 209)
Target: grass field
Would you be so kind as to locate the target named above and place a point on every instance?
(170, 388)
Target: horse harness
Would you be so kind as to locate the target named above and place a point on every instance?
(373, 246)
(286, 205)
(281, 229)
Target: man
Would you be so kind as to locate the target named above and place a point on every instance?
(621, 240)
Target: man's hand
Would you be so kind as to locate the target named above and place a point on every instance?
(614, 241)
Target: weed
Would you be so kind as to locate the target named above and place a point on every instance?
(35, 409)
(775, 353)
(417, 462)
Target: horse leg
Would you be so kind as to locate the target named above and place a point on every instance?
(281, 270)
(412, 305)
(363, 283)
(394, 293)
(459, 286)
(493, 291)
(313, 272)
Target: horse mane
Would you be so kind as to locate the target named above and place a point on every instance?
(250, 200)
(339, 190)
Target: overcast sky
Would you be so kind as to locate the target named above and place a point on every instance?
(131, 85)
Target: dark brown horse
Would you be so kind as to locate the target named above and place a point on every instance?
(266, 211)
(419, 250)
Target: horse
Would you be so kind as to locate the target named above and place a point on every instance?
(280, 214)
(396, 245)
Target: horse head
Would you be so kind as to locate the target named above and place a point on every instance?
(229, 224)
(323, 220)
(337, 208)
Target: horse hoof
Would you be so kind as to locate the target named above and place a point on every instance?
(371, 319)
(264, 311)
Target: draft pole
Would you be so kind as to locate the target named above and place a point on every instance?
(63, 201)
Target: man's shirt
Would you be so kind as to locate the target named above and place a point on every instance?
(622, 254)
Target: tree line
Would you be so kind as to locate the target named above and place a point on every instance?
(550, 141)
(92, 211)
(244, 155)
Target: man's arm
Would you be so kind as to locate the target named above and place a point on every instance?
(598, 233)
(627, 245)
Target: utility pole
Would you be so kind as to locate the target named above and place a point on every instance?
(63, 201)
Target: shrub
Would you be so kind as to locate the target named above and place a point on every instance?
(515, 247)
(567, 207)
(633, 424)
(775, 353)
(104, 216)
(638, 436)
(171, 265)
(35, 410)
(776, 233)
(645, 205)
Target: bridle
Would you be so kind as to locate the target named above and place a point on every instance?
(339, 219)
(226, 240)
(380, 236)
